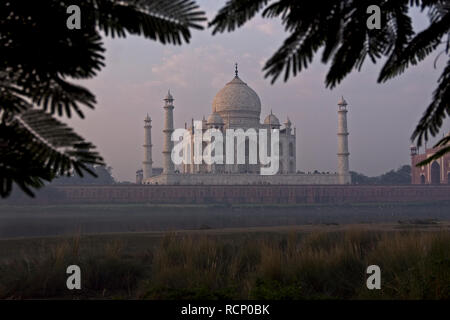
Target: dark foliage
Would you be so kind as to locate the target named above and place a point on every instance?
(400, 176)
(339, 29)
(103, 176)
(38, 56)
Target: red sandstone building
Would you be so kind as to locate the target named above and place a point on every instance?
(436, 172)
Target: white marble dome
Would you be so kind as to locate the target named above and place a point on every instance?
(237, 98)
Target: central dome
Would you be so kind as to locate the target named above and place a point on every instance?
(235, 99)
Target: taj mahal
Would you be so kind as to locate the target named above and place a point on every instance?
(237, 106)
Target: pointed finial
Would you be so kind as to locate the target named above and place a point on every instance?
(288, 122)
(342, 103)
(169, 96)
(236, 69)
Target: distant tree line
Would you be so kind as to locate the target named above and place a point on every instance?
(52, 194)
(400, 176)
(104, 177)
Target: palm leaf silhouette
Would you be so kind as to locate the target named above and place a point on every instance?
(38, 57)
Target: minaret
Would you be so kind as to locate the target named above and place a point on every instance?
(287, 125)
(343, 154)
(168, 166)
(147, 163)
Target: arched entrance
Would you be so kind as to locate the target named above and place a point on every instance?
(422, 179)
(435, 173)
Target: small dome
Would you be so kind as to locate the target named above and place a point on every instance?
(215, 118)
(272, 120)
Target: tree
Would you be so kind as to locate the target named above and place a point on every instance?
(359, 178)
(340, 29)
(38, 56)
(399, 176)
(103, 177)
(394, 177)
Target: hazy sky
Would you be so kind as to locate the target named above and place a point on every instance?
(139, 72)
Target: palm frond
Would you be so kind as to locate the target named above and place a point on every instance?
(307, 37)
(60, 53)
(351, 52)
(37, 55)
(235, 13)
(435, 156)
(340, 28)
(417, 49)
(437, 111)
(438, 10)
(36, 147)
(444, 147)
(166, 21)
(443, 141)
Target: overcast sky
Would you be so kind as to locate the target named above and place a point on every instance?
(139, 72)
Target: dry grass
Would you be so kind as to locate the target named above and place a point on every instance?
(293, 265)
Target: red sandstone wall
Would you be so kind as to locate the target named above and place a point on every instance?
(416, 172)
(249, 194)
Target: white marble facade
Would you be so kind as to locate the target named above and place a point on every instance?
(237, 106)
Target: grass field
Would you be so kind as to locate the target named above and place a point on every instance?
(309, 262)
(226, 252)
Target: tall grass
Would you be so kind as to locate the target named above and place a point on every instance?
(43, 274)
(328, 265)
